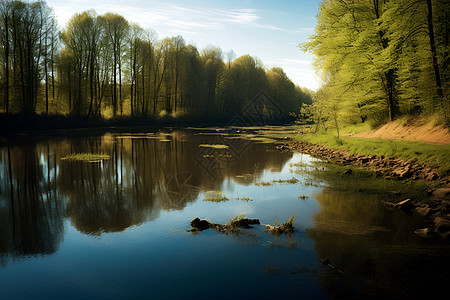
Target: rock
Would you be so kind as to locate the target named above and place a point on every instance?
(389, 205)
(441, 225)
(425, 233)
(200, 224)
(406, 205)
(444, 208)
(442, 193)
(402, 173)
(445, 235)
(432, 176)
(424, 210)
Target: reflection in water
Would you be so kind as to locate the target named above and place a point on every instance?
(31, 210)
(145, 174)
(374, 247)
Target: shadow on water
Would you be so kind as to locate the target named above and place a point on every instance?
(146, 173)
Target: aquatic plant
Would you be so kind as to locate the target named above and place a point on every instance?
(283, 228)
(214, 146)
(215, 196)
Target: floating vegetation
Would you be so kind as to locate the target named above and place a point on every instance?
(214, 146)
(244, 199)
(283, 228)
(293, 180)
(215, 196)
(281, 181)
(87, 157)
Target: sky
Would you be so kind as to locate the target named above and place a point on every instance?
(267, 29)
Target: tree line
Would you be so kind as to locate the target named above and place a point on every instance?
(381, 59)
(104, 65)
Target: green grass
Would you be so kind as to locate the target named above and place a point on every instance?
(88, 157)
(435, 156)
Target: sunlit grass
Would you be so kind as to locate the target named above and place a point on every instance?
(435, 156)
(87, 157)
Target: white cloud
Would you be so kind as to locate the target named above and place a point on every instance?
(157, 14)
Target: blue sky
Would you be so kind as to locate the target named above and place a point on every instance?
(268, 29)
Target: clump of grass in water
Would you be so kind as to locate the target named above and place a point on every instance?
(241, 222)
(293, 180)
(215, 146)
(215, 196)
(88, 157)
(279, 228)
(281, 181)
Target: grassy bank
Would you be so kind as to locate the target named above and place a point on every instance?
(435, 156)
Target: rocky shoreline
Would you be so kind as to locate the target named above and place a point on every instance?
(435, 208)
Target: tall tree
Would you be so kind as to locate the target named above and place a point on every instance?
(116, 28)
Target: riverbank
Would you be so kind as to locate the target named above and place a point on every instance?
(393, 168)
(435, 207)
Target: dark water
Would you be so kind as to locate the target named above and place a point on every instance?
(118, 228)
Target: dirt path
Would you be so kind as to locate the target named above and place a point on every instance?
(414, 130)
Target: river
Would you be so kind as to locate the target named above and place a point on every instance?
(118, 227)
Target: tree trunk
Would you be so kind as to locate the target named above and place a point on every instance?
(6, 20)
(70, 89)
(433, 52)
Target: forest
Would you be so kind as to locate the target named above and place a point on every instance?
(380, 60)
(104, 66)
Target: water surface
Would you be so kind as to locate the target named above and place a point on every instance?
(118, 228)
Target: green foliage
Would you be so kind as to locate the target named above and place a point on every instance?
(108, 67)
(380, 59)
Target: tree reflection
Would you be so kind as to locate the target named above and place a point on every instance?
(144, 175)
(373, 247)
(31, 209)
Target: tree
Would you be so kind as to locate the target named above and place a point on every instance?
(116, 28)
(382, 57)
